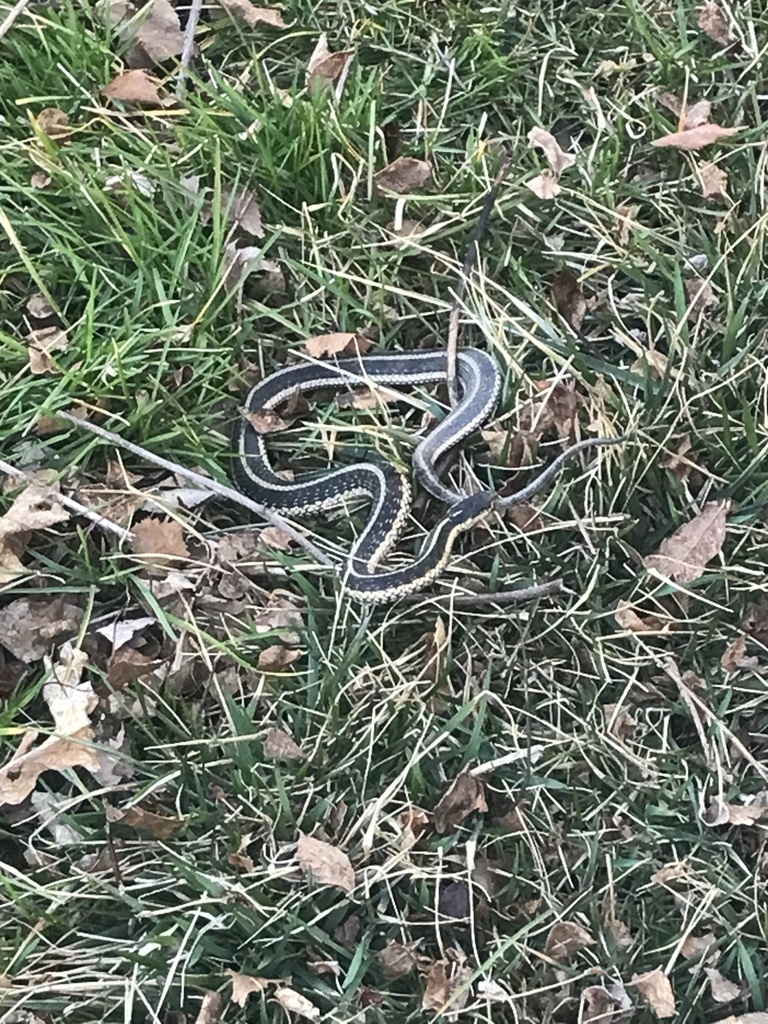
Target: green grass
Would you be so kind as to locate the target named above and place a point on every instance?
(158, 339)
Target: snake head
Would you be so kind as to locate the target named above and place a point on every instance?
(465, 513)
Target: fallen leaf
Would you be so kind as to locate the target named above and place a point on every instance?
(119, 632)
(277, 658)
(247, 12)
(402, 176)
(406, 233)
(242, 210)
(723, 990)
(438, 989)
(211, 1009)
(714, 181)
(294, 1002)
(279, 614)
(465, 795)
(39, 308)
(325, 864)
(454, 900)
(272, 537)
(625, 220)
(683, 556)
(40, 344)
(656, 988)
(734, 655)
(759, 1017)
(161, 826)
(339, 343)
(695, 944)
(53, 122)
(69, 697)
(712, 21)
(558, 160)
(127, 666)
(19, 776)
(158, 540)
(544, 186)
(721, 813)
(279, 744)
(268, 421)
(244, 985)
(701, 297)
(566, 938)
(619, 722)
(29, 625)
(602, 1006)
(398, 959)
(34, 509)
(348, 931)
(697, 114)
(653, 362)
(156, 31)
(628, 618)
(695, 138)
(325, 67)
(135, 86)
(569, 298)
(40, 179)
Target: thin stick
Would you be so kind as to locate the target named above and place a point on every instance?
(71, 504)
(189, 43)
(452, 349)
(12, 16)
(501, 597)
(205, 482)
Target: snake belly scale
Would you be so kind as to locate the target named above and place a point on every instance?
(388, 491)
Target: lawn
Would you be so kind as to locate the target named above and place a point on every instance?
(230, 792)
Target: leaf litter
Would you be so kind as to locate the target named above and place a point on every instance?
(683, 557)
(465, 795)
(325, 864)
(34, 509)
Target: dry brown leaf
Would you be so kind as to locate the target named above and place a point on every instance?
(723, 990)
(40, 179)
(404, 175)
(695, 944)
(683, 556)
(714, 181)
(127, 665)
(692, 139)
(277, 658)
(272, 537)
(29, 625)
(625, 220)
(544, 186)
(677, 463)
(325, 864)
(566, 938)
(294, 1002)
(19, 776)
(398, 959)
(244, 985)
(248, 13)
(279, 613)
(211, 1009)
(339, 343)
(721, 813)
(34, 509)
(159, 825)
(325, 67)
(619, 722)
(734, 655)
(759, 1017)
(569, 298)
(69, 697)
(268, 421)
(438, 988)
(40, 344)
(465, 795)
(160, 539)
(605, 1005)
(558, 160)
(407, 232)
(39, 308)
(712, 21)
(280, 745)
(135, 86)
(697, 114)
(159, 31)
(53, 122)
(653, 362)
(656, 988)
(242, 210)
(628, 618)
(701, 297)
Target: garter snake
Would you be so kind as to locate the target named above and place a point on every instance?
(387, 489)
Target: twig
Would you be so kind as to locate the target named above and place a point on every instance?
(469, 261)
(204, 482)
(189, 43)
(12, 16)
(71, 504)
(501, 597)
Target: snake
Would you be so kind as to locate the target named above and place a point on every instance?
(387, 489)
